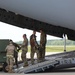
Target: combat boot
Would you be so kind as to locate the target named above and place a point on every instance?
(25, 65)
(10, 71)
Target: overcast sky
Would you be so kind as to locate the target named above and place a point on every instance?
(15, 33)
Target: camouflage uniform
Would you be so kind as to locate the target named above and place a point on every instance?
(33, 48)
(24, 51)
(10, 56)
(16, 53)
(42, 44)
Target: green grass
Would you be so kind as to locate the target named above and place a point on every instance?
(57, 48)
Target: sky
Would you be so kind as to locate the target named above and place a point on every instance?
(15, 33)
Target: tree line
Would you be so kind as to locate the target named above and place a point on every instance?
(60, 42)
(54, 42)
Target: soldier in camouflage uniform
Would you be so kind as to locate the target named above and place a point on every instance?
(24, 48)
(17, 48)
(16, 53)
(10, 56)
(42, 44)
(33, 47)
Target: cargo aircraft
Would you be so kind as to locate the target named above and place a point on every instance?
(55, 17)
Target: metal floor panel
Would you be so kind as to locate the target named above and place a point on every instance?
(52, 61)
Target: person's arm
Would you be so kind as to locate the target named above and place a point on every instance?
(6, 48)
(16, 45)
(43, 39)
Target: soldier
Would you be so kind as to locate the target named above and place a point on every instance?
(24, 48)
(33, 44)
(16, 53)
(10, 56)
(42, 44)
(17, 48)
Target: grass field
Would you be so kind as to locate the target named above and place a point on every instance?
(57, 48)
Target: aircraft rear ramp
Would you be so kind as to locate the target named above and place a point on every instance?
(55, 61)
(37, 67)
